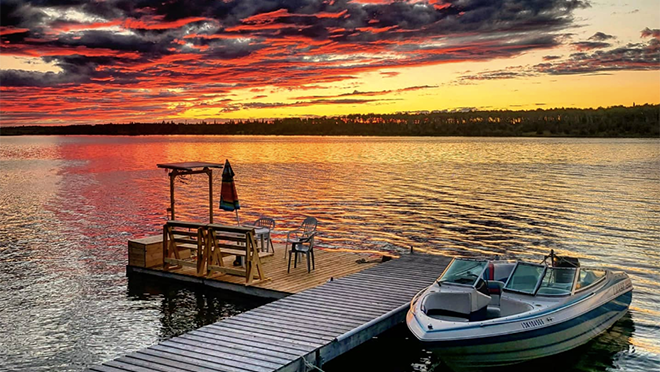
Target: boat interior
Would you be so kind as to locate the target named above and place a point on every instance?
(472, 290)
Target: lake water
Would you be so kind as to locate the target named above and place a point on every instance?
(69, 204)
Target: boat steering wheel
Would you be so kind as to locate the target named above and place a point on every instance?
(467, 278)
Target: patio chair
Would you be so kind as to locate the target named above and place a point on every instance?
(303, 246)
(307, 228)
(266, 240)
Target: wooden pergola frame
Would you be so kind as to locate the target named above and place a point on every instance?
(190, 168)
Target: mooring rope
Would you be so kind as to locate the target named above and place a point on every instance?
(308, 365)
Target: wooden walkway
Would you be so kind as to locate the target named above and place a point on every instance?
(304, 329)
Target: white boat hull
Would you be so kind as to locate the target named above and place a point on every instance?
(526, 336)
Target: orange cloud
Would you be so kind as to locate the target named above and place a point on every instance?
(166, 58)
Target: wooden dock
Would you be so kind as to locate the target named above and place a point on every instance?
(299, 331)
(329, 264)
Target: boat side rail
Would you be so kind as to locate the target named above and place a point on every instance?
(543, 313)
(416, 297)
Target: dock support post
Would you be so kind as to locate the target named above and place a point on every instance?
(173, 175)
(317, 359)
(209, 173)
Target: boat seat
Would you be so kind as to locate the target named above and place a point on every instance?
(493, 312)
(499, 271)
(495, 292)
(495, 287)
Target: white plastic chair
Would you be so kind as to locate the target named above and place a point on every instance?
(302, 246)
(269, 223)
(306, 229)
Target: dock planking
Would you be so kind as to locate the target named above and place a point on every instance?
(298, 331)
(281, 283)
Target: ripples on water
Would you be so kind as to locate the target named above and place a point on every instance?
(69, 204)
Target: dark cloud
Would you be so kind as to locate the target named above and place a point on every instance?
(118, 42)
(271, 105)
(632, 57)
(231, 49)
(589, 45)
(19, 14)
(596, 41)
(189, 46)
(20, 78)
(13, 35)
(550, 58)
(647, 32)
(599, 36)
(237, 29)
(510, 73)
(370, 93)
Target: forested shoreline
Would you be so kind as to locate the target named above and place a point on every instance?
(618, 121)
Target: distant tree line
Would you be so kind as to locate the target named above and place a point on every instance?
(618, 121)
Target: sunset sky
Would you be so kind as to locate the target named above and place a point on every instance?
(90, 62)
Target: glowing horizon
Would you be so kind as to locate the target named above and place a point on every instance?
(149, 61)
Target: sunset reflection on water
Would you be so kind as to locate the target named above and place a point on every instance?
(68, 205)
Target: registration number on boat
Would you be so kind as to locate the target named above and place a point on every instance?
(621, 287)
(532, 323)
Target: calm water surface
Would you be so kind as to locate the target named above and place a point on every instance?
(69, 204)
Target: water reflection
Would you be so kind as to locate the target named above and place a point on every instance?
(69, 204)
(600, 354)
(397, 350)
(183, 308)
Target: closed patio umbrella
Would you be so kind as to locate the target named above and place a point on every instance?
(228, 194)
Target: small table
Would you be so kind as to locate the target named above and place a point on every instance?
(263, 234)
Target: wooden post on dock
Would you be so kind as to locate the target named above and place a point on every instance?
(209, 173)
(184, 169)
(173, 175)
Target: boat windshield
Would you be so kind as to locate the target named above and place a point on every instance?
(557, 281)
(525, 278)
(463, 271)
(589, 277)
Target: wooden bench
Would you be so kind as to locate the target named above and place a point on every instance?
(221, 241)
(182, 244)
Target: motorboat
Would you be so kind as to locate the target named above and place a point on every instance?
(482, 312)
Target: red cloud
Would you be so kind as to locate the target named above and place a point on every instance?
(655, 33)
(368, 93)
(66, 27)
(163, 60)
(12, 30)
(156, 23)
(389, 73)
(264, 18)
(331, 15)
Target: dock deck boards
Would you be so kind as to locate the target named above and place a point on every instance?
(316, 324)
(329, 264)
